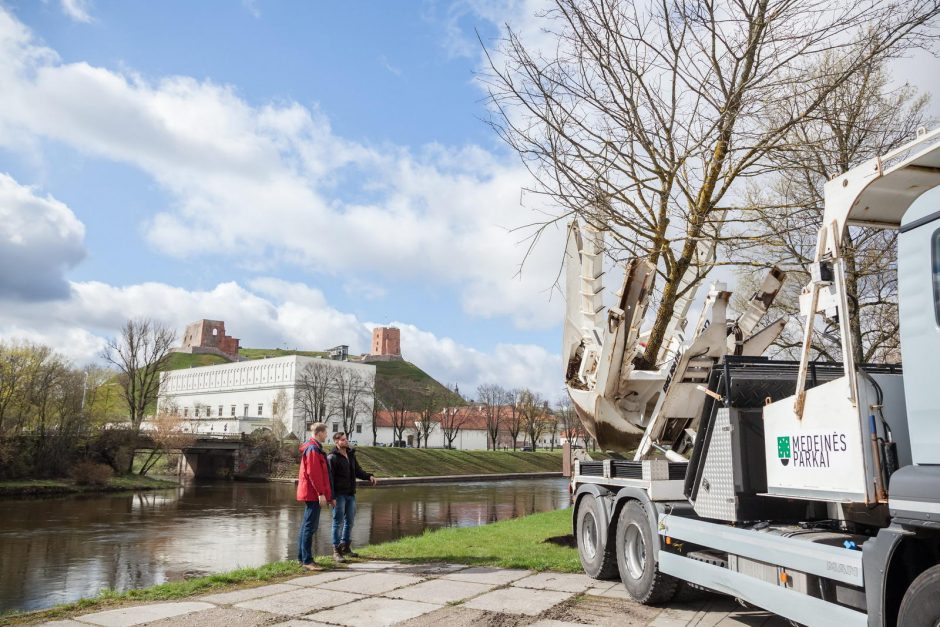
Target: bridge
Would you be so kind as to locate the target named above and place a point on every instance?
(216, 456)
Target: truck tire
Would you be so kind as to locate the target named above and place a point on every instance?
(596, 560)
(638, 569)
(920, 606)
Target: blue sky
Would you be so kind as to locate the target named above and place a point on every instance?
(300, 170)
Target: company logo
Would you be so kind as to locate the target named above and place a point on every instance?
(810, 451)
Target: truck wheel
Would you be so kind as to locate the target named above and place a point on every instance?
(598, 562)
(638, 569)
(920, 606)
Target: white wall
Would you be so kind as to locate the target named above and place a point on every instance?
(250, 383)
(467, 439)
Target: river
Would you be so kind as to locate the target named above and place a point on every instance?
(60, 550)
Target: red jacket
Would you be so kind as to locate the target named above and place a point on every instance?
(314, 478)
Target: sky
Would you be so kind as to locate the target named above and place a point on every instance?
(303, 171)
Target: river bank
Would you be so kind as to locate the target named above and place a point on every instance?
(59, 487)
(528, 542)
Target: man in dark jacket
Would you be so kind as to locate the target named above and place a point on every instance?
(345, 470)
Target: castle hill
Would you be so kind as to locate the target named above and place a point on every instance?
(544, 313)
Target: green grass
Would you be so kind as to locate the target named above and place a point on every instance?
(261, 353)
(163, 592)
(41, 487)
(516, 543)
(407, 462)
(179, 361)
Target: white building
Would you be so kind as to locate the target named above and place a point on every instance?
(241, 397)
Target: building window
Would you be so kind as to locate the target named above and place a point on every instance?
(335, 427)
(185, 412)
(358, 427)
(246, 410)
(197, 411)
(221, 411)
(233, 411)
(260, 409)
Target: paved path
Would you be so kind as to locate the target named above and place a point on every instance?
(429, 595)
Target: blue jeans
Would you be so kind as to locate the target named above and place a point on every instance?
(308, 527)
(344, 515)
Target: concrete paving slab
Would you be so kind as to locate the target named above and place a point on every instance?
(617, 592)
(483, 574)
(600, 587)
(375, 611)
(451, 616)
(372, 583)
(563, 582)
(310, 581)
(519, 600)
(300, 622)
(430, 569)
(555, 623)
(140, 614)
(373, 565)
(63, 623)
(299, 602)
(245, 594)
(217, 617)
(441, 591)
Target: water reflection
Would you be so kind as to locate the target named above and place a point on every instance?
(59, 550)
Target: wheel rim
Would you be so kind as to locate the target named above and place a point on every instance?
(634, 551)
(589, 535)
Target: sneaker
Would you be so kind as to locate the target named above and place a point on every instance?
(311, 566)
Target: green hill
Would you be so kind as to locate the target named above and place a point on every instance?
(179, 361)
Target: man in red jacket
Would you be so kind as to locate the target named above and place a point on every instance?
(315, 489)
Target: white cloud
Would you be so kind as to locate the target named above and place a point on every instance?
(509, 365)
(78, 10)
(274, 184)
(40, 239)
(269, 313)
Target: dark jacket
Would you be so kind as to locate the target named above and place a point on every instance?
(345, 471)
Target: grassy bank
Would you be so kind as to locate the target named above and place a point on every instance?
(411, 462)
(516, 543)
(53, 487)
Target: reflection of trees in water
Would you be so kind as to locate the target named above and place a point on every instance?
(57, 550)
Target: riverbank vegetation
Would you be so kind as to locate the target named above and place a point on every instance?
(56, 487)
(408, 462)
(537, 542)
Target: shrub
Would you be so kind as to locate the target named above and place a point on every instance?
(90, 473)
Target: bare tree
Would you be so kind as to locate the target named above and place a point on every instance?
(644, 119)
(425, 424)
(864, 118)
(280, 406)
(568, 421)
(15, 362)
(139, 354)
(532, 411)
(491, 398)
(513, 418)
(312, 393)
(453, 420)
(350, 390)
(165, 433)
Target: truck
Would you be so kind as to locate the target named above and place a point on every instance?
(808, 489)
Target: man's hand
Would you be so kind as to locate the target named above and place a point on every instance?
(333, 503)
(322, 501)
(373, 480)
